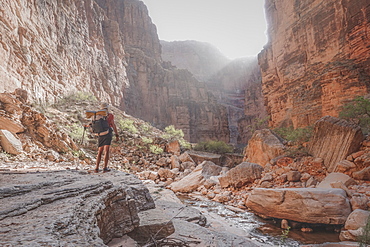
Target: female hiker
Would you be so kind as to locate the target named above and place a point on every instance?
(104, 141)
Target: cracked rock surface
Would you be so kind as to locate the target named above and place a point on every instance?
(69, 208)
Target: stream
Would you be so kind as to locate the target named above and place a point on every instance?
(258, 229)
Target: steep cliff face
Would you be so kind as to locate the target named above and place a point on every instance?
(162, 94)
(51, 48)
(165, 96)
(238, 87)
(236, 84)
(316, 60)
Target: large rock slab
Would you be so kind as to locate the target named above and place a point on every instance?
(200, 157)
(196, 178)
(309, 205)
(190, 182)
(240, 175)
(263, 146)
(69, 208)
(329, 131)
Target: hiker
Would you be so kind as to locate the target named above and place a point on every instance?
(104, 141)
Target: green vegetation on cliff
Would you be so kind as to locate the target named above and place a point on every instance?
(358, 111)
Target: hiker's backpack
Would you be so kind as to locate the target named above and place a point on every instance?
(99, 123)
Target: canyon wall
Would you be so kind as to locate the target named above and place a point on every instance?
(109, 48)
(236, 84)
(161, 93)
(317, 58)
(52, 48)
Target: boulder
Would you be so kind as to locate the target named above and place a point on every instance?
(344, 166)
(173, 147)
(336, 177)
(190, 182)
(354, 225)
(166, 173)
(293, 176)
(359, 201)
(364, 174)
(262, 147)
(10, 143)
(329, 131)
(187, 165)
(154, 224)
(240, 175)
(175, 162)
(68, 207)
(210, 169)
(309, 205)
(185, 157)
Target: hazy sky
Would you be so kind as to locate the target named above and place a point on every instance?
(236, 27)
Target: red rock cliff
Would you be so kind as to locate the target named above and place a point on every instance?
(52, 48)
(317, 58)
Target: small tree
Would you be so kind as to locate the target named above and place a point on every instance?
(358, 111)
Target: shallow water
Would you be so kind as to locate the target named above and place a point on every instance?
(267, 232)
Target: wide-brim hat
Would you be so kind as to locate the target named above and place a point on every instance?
(104, 106)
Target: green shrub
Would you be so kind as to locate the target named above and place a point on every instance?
(258, 123)
(299, 135)
(128, 125)
(155, 149)
(145, 128)
(358, 111)
(147, 140)
(172, 134)
(75, 131)
(76, 97)
(219, 147)
(364, 238)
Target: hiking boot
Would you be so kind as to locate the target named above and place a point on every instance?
(106, 170)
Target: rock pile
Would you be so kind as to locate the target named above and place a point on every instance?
(29, 132)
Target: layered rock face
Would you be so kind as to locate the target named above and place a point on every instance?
(52, 48)
(236, 84)
(329, 131)
(316, 60)
(69, 208)
(162, 94)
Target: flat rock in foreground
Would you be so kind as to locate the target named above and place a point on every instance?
(309, 205)
(69, 208)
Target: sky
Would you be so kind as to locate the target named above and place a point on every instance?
(236, 27)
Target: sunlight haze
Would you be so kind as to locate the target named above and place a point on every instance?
(236, 27)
